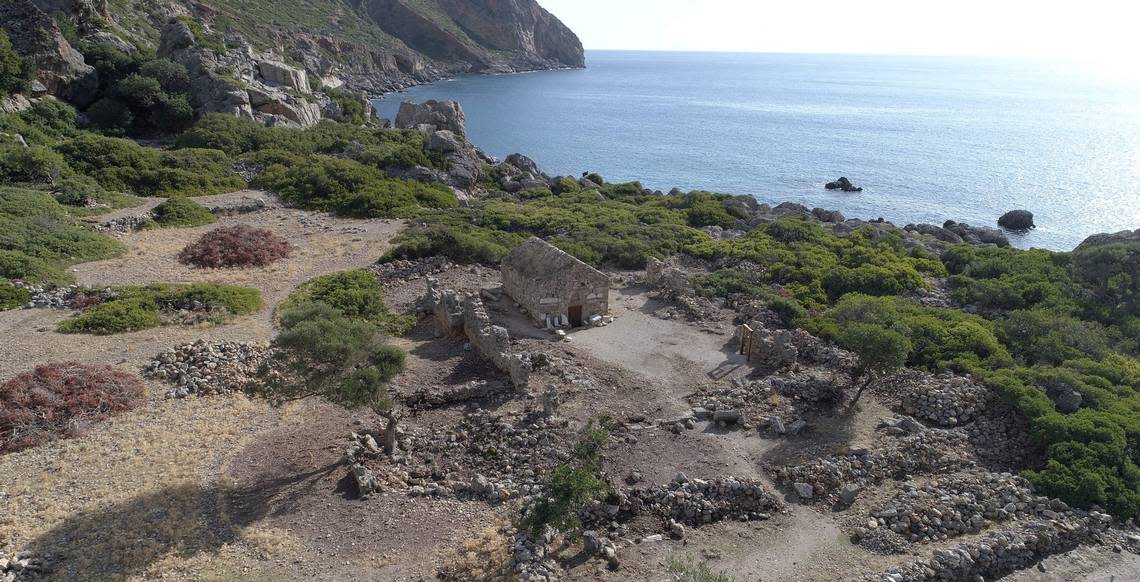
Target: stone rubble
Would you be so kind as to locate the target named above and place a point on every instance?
(1002, 552)
(962, 503)
(944, 400)
(204, 368)
(400, 271)
(21, 566)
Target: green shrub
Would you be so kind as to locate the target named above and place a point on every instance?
(352, 189)
(351, 108)
(38, 238)
(172, 77)
(1112, 273)
(355, 294)
(114, 317)
(14, 72)
(138, 308)
(565, 184)
(17, 265)
(570, 486)
(1040, 336)
(36, 164)
(11, 296)
(182, 212)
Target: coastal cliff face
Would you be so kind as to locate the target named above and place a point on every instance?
(485, 35)
(366, 46)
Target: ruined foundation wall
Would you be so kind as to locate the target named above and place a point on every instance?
(460, 314)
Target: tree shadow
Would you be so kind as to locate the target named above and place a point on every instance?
(127, 539)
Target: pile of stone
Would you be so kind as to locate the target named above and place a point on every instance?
(962, 503)
(813, 385)
(126, 224)
(1000, 553)
(204, 368)
(944, 400)
(426, 398)
(776, 349)
(930, 451)
(399, 271)
(1001, 439)
(484, 456)
(20, 566)
(62, 297)
(743, 403)
(697, 501)
(530, 559)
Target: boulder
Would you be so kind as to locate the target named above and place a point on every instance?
(433, 115)
(445, 141)
(849, 492)
(935, 231)
(804, 490)
(176, 36)
(296, 112)
(1064, 397)
(977, 235)
(524, 164)
(843, 184)
(1017, 220)
(283, 75)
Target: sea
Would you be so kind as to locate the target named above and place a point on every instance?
(928, 138)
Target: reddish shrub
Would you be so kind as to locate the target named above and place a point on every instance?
(235, 246)
(62, 400)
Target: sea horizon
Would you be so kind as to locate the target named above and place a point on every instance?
(890, 109)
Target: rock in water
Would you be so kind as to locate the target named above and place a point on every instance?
(1017, 220)
(843, 184)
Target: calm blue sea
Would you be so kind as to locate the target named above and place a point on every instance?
(928, 138)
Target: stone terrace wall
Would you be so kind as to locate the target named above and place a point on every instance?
(460, 314)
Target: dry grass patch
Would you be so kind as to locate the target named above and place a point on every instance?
(484, 558)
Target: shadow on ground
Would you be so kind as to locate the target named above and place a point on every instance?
(124, 540)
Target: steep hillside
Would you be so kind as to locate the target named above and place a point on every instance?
(368, 45)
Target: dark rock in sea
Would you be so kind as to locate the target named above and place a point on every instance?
(1017, 220)
(843, 184)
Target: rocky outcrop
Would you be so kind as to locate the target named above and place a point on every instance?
(843, 184)
(1020, 220)
(371, 47)
(431, 116)
(59, 67)
(481, 35)
(977, 235)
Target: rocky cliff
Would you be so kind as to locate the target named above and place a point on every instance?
(366, 46)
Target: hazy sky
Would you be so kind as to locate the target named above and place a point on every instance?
(1096, 30)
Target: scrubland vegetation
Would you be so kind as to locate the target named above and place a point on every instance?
(62, 400)
(235, 246)
(144, 307)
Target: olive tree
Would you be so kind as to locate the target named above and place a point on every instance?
(321, 352)
(881, 351)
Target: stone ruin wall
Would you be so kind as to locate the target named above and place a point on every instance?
(460, 314)
(549, 304)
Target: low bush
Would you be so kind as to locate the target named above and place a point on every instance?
(235, 246)
(31, 165)
(571, 485)
(12, 297)
(138, 308)
(352, 189)
(38, 238)
(14, 71)
(356, 294)
(61, 401)
(182, 212)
